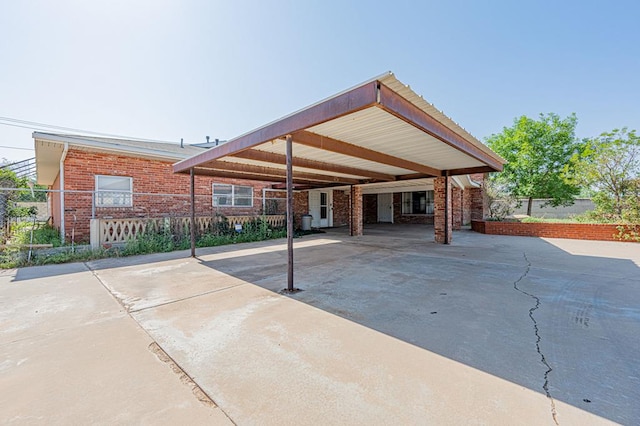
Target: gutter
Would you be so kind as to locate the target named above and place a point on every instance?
(474, 183)
(62, 158)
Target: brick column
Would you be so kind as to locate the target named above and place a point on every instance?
(442, 199)
(355, 226)
(456, 205)
(477, 203)
(466, 206)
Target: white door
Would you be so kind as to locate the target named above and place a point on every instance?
(320, 207)
(385, 207)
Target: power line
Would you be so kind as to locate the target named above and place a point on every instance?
(16, 147)
(33, 125)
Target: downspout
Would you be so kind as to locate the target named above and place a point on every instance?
(64, 156)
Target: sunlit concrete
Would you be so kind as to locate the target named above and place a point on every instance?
(390, 328)
(70, 354)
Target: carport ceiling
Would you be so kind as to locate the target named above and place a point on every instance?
(379, 131)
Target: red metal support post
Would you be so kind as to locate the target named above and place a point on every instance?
(289, 214)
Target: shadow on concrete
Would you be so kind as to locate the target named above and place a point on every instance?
(522, 309)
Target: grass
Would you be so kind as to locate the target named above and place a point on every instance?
(42, 234)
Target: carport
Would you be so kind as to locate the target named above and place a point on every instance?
(379, 131)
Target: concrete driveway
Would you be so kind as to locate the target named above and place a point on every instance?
(390, 328)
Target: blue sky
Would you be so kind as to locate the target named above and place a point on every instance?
(186, 69)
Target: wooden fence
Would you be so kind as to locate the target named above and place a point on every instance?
(105, 232)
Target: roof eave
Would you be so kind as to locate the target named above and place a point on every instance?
(373, 93)
(347, 102)
(104, 146)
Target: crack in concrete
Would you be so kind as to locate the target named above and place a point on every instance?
(163, 356)
(536, 330)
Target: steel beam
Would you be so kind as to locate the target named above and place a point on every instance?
(395, 104)
(329, 144)
(335, 107)
(269, 157)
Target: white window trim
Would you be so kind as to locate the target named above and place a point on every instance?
(232, 196)
(129, 192)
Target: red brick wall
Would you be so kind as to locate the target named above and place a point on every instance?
(370, 208)
(356, 220)
(456, 205)
(578, 231)
(341, 208)
(477, 177)
(150, 179)
(440, 201)
(466, 207)
(476, 196)
(300, 207)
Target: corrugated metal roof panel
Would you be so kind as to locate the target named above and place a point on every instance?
(380, 131)
(374, 127)
(301, 151)
(406, 92)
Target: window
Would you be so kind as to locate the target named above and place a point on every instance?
(113, 191)
(419, 202)
(232, 195)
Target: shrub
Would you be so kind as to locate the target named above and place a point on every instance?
(42, 234)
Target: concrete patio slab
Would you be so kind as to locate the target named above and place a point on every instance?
(392, 328)
(70, 354)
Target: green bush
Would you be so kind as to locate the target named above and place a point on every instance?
(152, 241)
(42, 234)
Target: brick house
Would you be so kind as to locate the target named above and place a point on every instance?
(102, 178)
(409, 203)
(94, 177)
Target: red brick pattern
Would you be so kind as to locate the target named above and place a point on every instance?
(150, 177)
(370, 208)
(466, 207)
(356, 211)
(456, 206)
(476, 199)
(341, 208)
(300, 207)
(440, 187)
(578, 231)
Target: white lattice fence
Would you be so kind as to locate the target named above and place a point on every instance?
(115, 231)
(112, 231)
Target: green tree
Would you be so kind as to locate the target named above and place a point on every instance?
(610, 167)
(540, 158)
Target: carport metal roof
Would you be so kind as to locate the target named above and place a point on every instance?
(378, 131)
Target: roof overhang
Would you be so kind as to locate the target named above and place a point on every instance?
(379, 131)
(50, 149)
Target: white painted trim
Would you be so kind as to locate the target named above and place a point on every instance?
(61, 180)
(106, 146)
